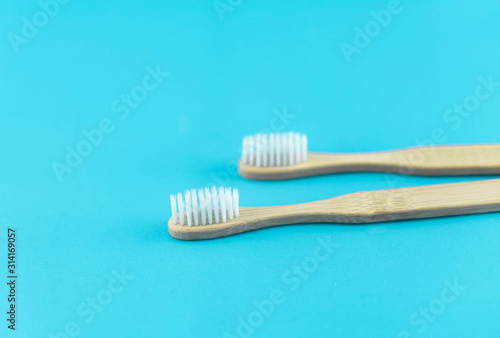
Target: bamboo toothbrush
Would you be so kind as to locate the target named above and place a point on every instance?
(218, 214)
(284, 156)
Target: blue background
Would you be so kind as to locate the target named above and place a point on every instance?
(229, 75)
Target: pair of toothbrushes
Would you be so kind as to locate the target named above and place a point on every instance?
(208, 213)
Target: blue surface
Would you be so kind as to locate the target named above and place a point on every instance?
(231, 71)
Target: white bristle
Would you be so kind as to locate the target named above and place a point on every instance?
(298, 155)
(265, 150)
(224, 205)
(173, 205)
(189, 214)
(274, 150)
(258, 150)
(203, 207)
(180, 204)
(291, 157)
(284, 148)
(278, 150)
(236, 203)
(251, 150)
(208, 201)
(271, 150)
(215, 204)
(222, 199)
(229, 204)
(194, 199)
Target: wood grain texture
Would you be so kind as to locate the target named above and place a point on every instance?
(423, 161)
(362, 207)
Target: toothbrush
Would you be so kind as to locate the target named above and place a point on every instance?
(218, 214)
(280, 156)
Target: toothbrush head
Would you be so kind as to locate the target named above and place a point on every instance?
(274, 149)
(214, 206)
(276, 156)
(205, 213)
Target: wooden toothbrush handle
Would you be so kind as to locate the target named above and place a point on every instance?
(416, 202)
(425, 161)
(449, 160)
